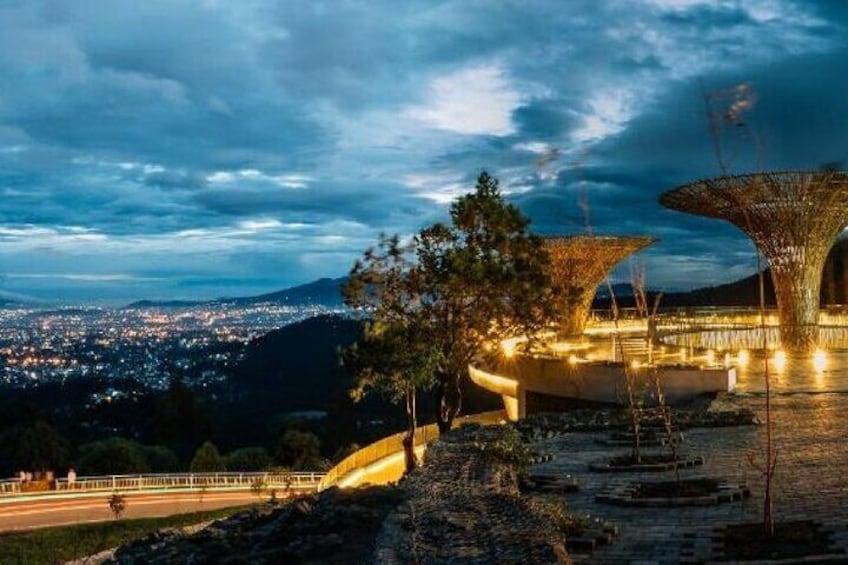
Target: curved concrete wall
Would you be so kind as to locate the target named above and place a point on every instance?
(597, 382)
(382, 462)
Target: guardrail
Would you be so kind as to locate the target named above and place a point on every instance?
(299, 481)
(393, 444)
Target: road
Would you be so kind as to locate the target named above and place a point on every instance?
(54, 511)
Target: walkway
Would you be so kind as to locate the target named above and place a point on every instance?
(811, 430)
(53, 511)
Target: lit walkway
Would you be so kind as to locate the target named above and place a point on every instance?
(95, 508)
(812, 458)
(798, 375)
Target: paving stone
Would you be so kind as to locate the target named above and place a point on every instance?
(810, 434)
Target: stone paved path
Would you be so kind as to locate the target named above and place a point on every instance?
(812, 442)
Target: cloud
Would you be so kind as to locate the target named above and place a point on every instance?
(247, 146)
(474, 101)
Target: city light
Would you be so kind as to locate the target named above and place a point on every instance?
(743, 357)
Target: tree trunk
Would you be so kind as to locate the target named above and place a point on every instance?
(409, 439)
(448, 401)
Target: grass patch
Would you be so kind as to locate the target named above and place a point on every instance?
(60, 544)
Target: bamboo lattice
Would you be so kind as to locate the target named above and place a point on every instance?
(794, 217)
(578, 266)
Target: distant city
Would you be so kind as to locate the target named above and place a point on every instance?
(139, 344)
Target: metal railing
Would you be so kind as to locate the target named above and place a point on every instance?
(296, 481)
(393, 444)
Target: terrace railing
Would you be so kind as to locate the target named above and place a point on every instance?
(283, 481)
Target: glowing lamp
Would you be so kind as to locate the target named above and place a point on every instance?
(819, 361)
(780, 360)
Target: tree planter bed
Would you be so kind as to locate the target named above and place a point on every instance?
(687, 492)
(650, 464)
(801, 541)
(586, 542)
(548, 484)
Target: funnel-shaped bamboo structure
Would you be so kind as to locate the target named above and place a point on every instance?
(794, 218)
(578, 266)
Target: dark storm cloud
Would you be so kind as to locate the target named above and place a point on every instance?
(208, 147)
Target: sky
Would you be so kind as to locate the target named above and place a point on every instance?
(203, 148)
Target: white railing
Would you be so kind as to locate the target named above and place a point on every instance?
(295, 481)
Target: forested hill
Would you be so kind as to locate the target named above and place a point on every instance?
(297, 367)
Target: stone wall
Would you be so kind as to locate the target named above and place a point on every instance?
(463, 506)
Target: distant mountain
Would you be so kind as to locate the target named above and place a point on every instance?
(620, 290)
(322, 292)
(164, 304)
(744, 292)
(325, 291)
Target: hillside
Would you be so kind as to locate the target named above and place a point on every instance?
(297, 367)
(325, 291)
(322, 292)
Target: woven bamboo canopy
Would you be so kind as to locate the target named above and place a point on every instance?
(794, 217)
(578, 265)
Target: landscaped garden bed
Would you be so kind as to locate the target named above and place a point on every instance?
(648, 463)
(793, 542)
(550, 425)
(548, 483)
(647, 438)
(686, 492)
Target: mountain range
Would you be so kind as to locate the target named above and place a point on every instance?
(321, 292)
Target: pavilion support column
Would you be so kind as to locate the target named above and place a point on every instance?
(579, 264)
(843, 297)
(574, 316)
(794, 217)
(797, 288)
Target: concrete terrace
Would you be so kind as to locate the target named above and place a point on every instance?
(812, 457)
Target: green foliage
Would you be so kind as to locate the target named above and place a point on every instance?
(343, 452)
(207, 459)
(392, 359)
(557, 513)
(113, 456)
(180, 420)
(507, 448)
(58, 545)
(160, 459)
(38, 447)
(258, 486)
(117, 504)
(451, 292)
(298, 450)
(248, 459)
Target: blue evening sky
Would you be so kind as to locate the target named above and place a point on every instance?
(202, 148)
